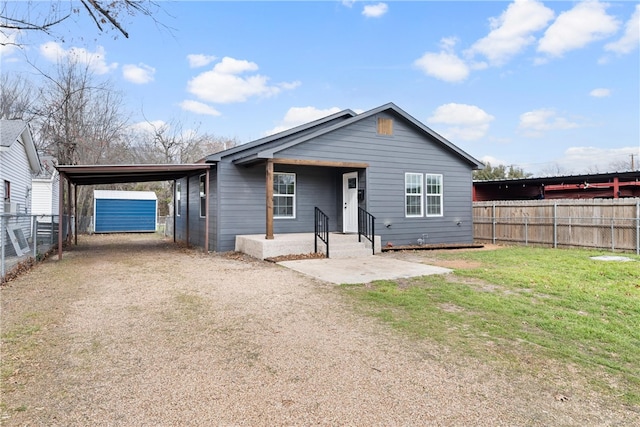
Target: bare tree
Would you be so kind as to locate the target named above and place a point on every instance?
(80, 120)
(105, 14)
(172, 143)
(16, 97)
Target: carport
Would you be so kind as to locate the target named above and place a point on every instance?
(72, 176)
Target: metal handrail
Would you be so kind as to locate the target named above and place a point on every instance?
(367, 227)
(321, 230)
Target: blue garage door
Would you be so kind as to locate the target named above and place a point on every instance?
(121, 215)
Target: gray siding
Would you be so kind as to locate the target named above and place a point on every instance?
(389, 157)
(243, 194)
(237, 193)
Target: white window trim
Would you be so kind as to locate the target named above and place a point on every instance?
(421, 194)
(202, 185)
(293, 196)
(440, 195)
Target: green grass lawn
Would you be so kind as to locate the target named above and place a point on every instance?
(522, 303)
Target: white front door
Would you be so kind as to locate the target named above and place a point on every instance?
(350, 202)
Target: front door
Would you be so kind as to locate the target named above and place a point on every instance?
(350, 202)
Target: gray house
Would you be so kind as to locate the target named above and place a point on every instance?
(382, 163)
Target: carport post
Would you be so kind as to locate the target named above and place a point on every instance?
(75, 215)
(206, 213)
(69, 211)
(175, 209)
(63, 177)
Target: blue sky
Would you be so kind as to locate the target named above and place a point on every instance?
(545, 86)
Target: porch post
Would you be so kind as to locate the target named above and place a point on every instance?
(206, 212)
(269, 201)
(616, 187)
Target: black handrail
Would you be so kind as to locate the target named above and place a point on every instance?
(321, 230)
(367, 228)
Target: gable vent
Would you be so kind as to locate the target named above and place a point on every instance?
(385, 126)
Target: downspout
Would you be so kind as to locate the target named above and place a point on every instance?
(175, 209)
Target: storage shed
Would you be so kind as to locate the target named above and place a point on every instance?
(124, 211)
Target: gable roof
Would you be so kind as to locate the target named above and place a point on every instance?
(266, 148)
(11, 131)
(284, 136)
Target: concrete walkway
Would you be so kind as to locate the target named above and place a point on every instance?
(361, 270)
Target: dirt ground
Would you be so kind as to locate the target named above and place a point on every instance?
(131, 330)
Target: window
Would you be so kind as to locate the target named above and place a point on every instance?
(385, 126)
(284, 195)
(178, 197)
(413, 194)
(203, 195)
(434, 195)
(7, 191)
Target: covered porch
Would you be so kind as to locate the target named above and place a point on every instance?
(341, 245)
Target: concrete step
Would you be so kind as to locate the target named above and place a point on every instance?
(347, 246)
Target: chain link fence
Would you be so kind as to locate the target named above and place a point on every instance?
(24, 239)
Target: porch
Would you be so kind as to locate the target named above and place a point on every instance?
(340, 245)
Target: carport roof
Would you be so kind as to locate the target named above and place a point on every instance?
(116, 174)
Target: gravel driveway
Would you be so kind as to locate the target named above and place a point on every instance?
(136, 331)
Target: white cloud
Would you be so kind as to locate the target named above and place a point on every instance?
(465, 122)
(493, 160)
(445, 65)
(200, 60)
(600, 92)
(631, 38)
(198, 108)
(576, 28)
(512, 31)
(148, 127)
(296, 116)
(8, 40)
(138, 74)
(224, 83)
(596, 158)
(96, 61)
(535, 123)
(375, 10)
(348, 3)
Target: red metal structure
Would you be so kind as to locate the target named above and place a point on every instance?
(593, 186)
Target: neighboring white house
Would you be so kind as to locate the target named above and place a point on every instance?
(18, 162)
(45, 190)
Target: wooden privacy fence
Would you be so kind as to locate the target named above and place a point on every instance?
(612, 224)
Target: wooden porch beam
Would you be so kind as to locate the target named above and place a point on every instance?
(269, 201)
(324, 163)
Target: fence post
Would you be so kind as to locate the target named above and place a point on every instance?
(3, 227)
(493, 221)
(34, 233)
(526, 231)
(637, 227)
(555, 224)
(613, 243)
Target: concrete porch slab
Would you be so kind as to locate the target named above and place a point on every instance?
(361, 270)
(257, 246)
